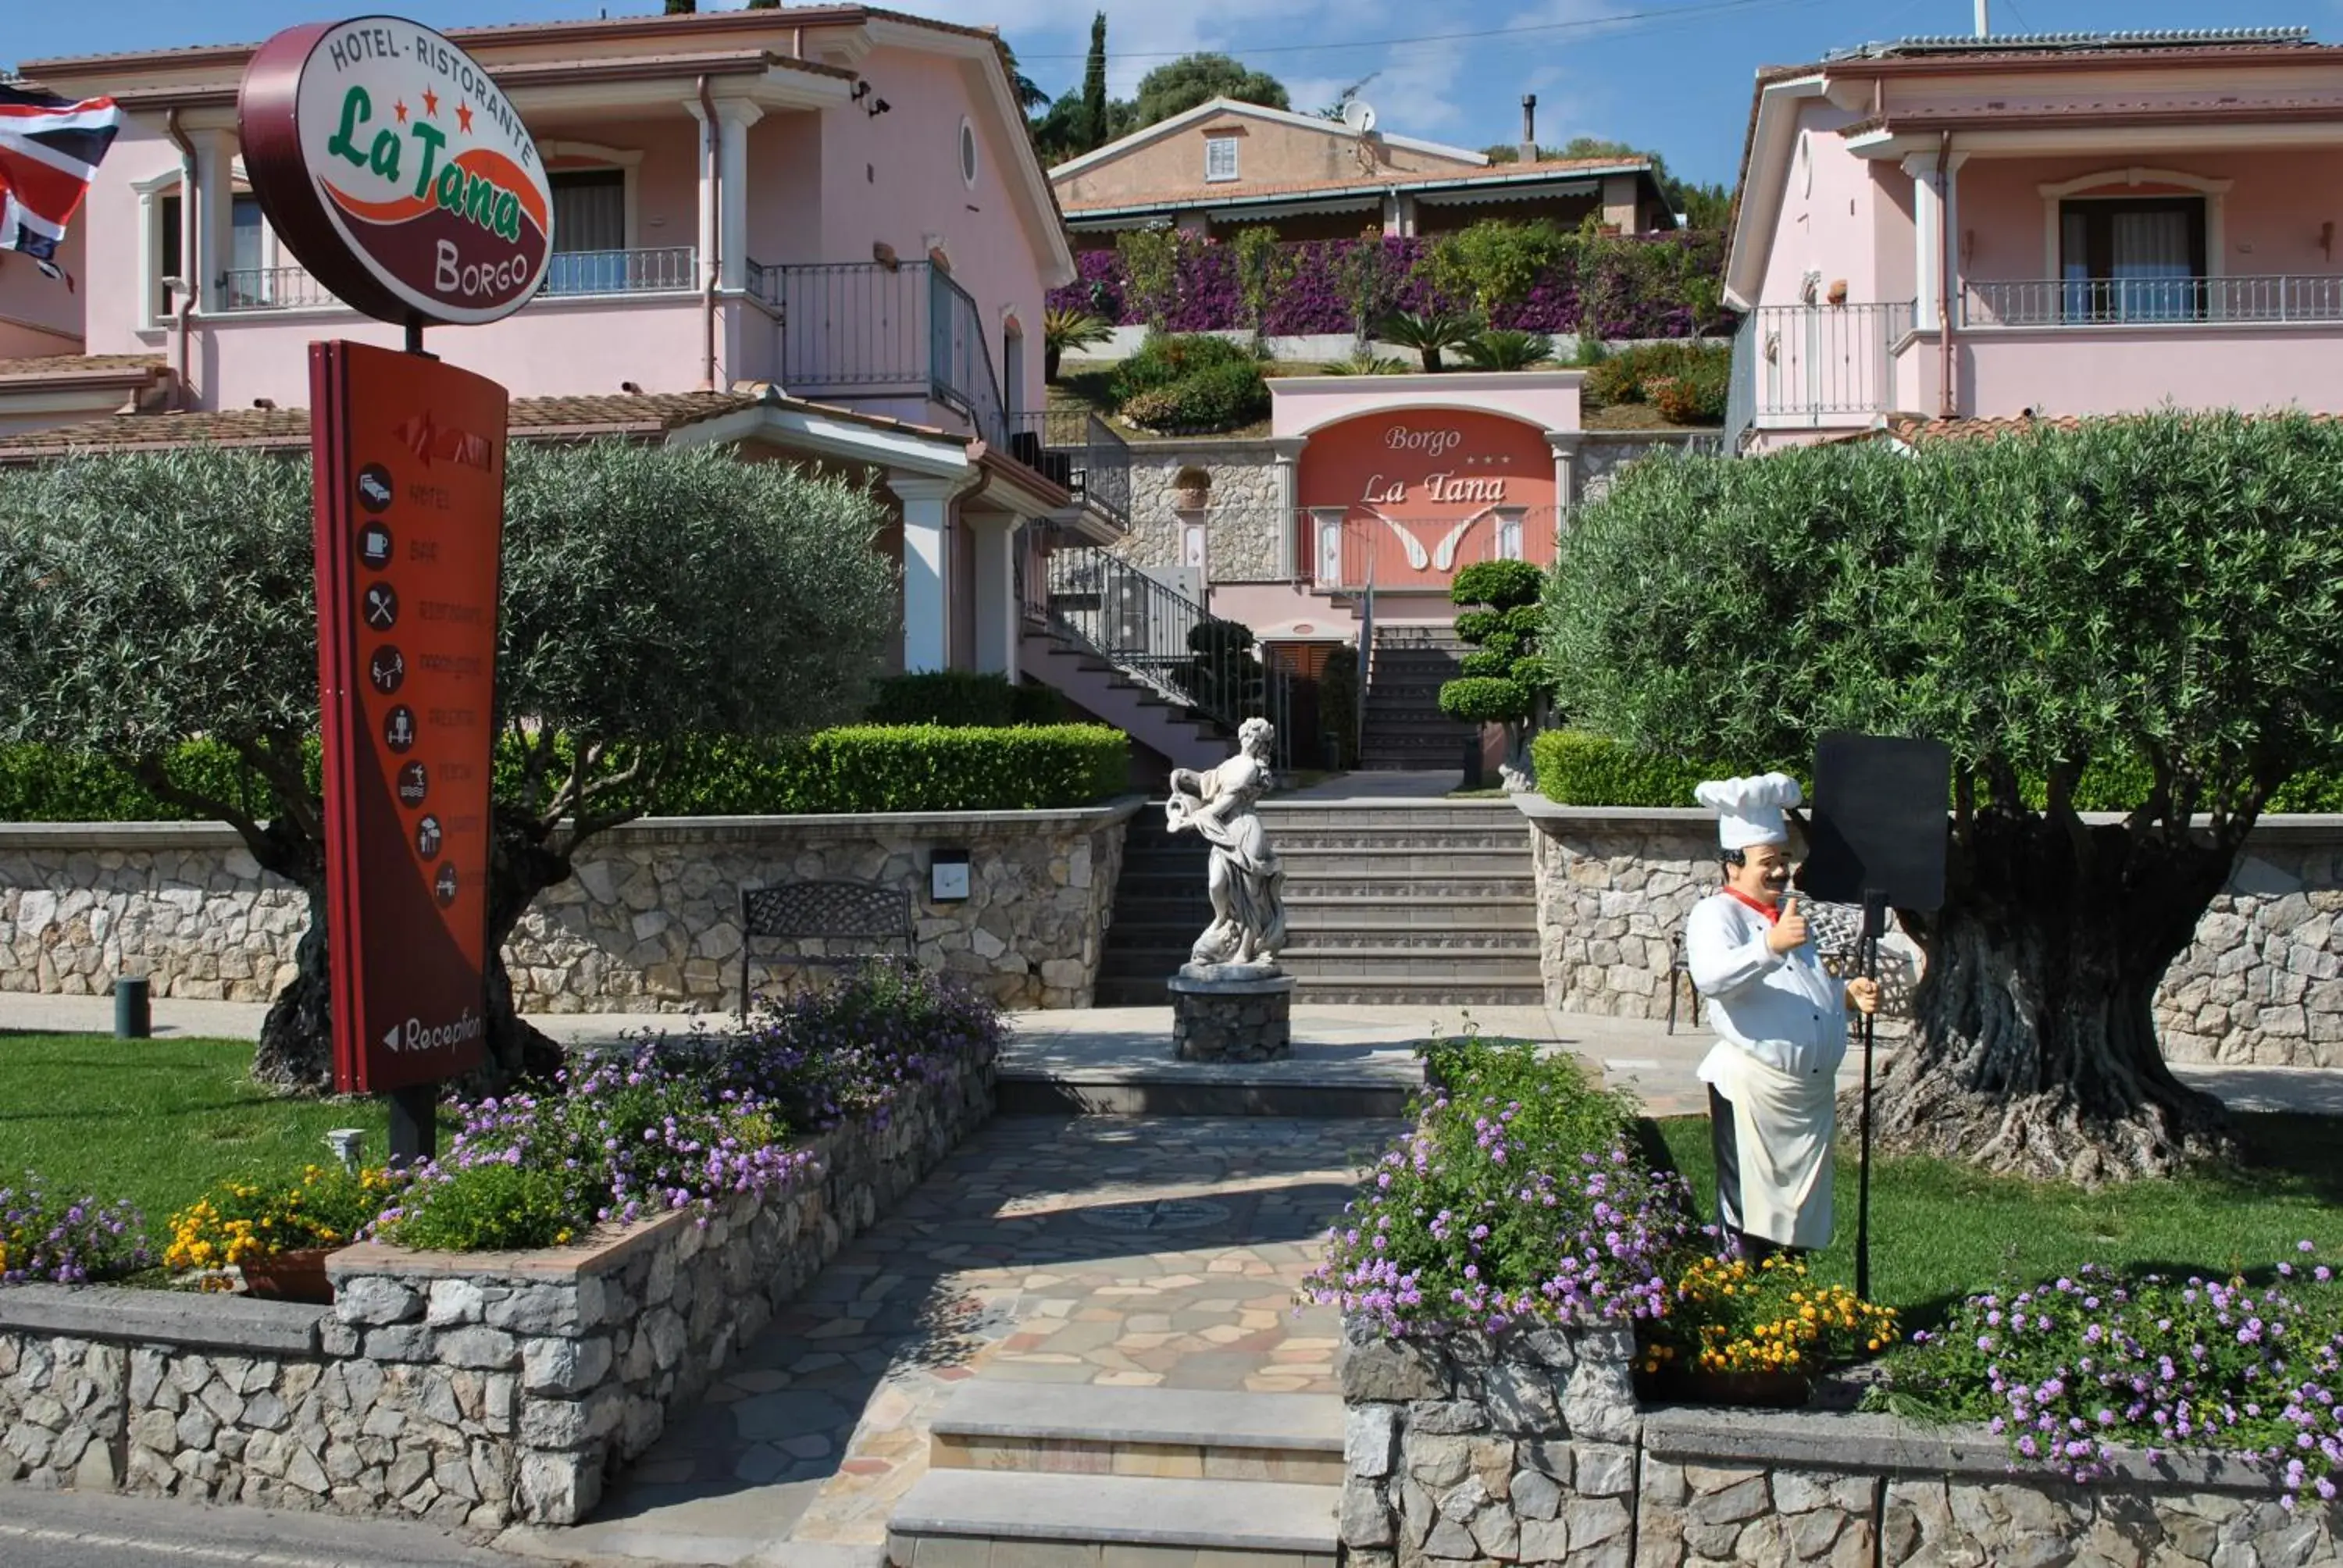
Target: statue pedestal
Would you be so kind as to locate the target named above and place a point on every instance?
(1232, 1012)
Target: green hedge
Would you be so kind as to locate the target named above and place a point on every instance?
(1580, 770)
(962, 700)
(865, 768)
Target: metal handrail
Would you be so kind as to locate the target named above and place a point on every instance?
(1078, 451)
(1095, 600)
(2150, 301)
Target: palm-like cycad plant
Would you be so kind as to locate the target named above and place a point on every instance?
(1430, 332)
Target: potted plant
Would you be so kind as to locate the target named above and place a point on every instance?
(1756, 1333)
(275, 1236)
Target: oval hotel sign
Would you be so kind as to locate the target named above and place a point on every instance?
(397, 171)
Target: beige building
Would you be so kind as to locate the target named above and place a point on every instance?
(1226, 165)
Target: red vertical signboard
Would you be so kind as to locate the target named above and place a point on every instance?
(409, 456)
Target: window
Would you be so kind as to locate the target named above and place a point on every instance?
(589, 232)
(2134, 259)
(246, 279)
(968, 167)
(1220, 157)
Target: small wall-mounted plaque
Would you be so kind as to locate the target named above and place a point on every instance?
(948, 876)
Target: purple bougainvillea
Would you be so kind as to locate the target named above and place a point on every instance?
(1643, 288)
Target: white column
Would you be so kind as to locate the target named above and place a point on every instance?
(706, 160)
(995, 551)
(1564, 444)
(733, 119)
(1929, 226)
(1287, 494)
(926, 587)
(215, 210)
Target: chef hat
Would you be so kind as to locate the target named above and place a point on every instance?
(1750, 810)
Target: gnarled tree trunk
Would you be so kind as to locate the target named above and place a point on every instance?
(2035, 1049)
(296, 1041)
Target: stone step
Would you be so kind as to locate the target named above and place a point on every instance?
(1218, 1090)
(1082, 1428)
(1306, 862)
(1350, 991)
(1078, 1521)
(1507, 966)
(1371, 843)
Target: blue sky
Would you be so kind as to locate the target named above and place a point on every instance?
(1669, 74)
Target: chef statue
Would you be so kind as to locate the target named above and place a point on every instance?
(1781, 1026)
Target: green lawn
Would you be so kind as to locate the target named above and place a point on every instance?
(1939, 1233)
(157, 1121)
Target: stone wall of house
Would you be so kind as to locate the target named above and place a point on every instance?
(650, 921)
(1242, 511)
(2262, 984)
(466, 1389)
(1530, 1448)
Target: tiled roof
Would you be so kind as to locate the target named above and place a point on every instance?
(520, 31)
(532, 419)
(67, 366)
(1497, 173)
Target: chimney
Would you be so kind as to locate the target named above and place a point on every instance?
(1529, 128)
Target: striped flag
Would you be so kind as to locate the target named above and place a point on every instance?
(49, 149)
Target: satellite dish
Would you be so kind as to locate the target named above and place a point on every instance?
(1359, 115)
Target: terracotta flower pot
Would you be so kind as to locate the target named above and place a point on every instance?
(294, 1276)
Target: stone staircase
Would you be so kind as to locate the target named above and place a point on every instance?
(1403, 727)
(1165, 733)
(1387, 902)
(1095, 1477)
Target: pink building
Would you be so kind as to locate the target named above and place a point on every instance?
(2052, 226)
(826, 222)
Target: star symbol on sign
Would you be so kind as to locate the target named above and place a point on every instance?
(399, 108)
(464, 117)
(430, 103)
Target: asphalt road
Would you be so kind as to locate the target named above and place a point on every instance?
(74, 1530)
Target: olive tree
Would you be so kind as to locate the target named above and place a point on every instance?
(2144, 613)
(650, 598)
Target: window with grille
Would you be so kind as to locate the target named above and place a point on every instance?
(1220, 157)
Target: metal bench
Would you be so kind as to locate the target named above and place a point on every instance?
(828, 912)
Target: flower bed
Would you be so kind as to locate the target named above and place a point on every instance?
(1514, 1278)
(692, 1185)
(66, 1243)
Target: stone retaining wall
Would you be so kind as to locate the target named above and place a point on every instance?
(465, 1389)
(2262, 985)
(649, 923)
(1530, 1449)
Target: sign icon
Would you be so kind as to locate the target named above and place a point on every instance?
(381, 606)
(427, 837)
(398, 729)
(387, 670)
(374, 545)
(445, 884)
(413, 783)
(374, 487)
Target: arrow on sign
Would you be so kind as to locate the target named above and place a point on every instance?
(390, 1040)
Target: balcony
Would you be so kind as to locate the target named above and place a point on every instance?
(855, 331)
(571, 275)
(1813, 366)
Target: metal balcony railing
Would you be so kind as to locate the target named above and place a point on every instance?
(2150, 301)
(568, 274)
(657, 271)
(1813, 364)
(1093, 599)
(1078, 451)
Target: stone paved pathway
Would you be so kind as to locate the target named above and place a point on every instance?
(1125, 1250)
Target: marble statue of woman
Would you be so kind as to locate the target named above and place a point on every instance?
(1247, 883)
